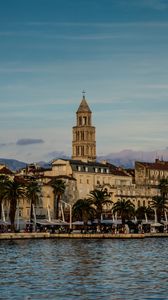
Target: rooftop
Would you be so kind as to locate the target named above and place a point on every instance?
(83, 107)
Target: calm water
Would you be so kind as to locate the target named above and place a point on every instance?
(84, 269)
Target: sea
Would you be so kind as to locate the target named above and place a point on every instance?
(84, 269)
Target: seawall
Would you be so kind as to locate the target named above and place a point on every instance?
(47, 235)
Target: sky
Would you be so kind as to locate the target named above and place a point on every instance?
(52, 50)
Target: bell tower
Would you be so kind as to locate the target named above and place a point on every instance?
(84, 142)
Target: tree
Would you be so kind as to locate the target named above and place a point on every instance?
(125, 208)
(160, 204)
(33, 195)
(58, 186)
(13, 192)
(3, 180)
(83, 210)
(163, 187)
(142, 211)
(100, 198)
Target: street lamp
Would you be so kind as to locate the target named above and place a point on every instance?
(70, 213)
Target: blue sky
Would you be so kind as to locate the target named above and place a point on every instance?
(50, 50)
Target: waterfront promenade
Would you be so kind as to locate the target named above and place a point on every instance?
(47, 235)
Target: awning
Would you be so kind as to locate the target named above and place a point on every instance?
(78, 223)
(45, 222)
(107, 222)
(146, 222)
(81, 223)
(156, 224)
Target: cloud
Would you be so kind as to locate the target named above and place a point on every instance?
(23, 142)
(6, 144)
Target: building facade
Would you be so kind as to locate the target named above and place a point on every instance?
(149, 174)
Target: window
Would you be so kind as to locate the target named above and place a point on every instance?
(82, 135)
(152, 173)
(156, 173)
(79, 168)
(104, 180)
(80, 121)
(86, 169)
(117, 182)
(84, 120)
(87, 181)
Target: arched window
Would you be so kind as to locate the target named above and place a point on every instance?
(80, 120)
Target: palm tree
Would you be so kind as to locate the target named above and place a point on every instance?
(3, 180)
(163, 187)
(100, 198)
(58, 186)
(125, 208)
(83, 210)
(13, 192)
(160, 204)
(141, 211)
(33, 195)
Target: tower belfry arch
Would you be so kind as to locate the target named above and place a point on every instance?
(84, 142)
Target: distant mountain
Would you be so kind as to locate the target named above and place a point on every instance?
(124, 158)
(13, 164)
(127, 158)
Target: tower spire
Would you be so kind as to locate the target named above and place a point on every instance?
(83, 93)
(84, 143)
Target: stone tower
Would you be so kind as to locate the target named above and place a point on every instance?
(84, 143)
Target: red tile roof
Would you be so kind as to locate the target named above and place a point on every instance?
(5, 171)
(157, 165)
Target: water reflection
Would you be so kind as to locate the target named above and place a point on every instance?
(84, 269)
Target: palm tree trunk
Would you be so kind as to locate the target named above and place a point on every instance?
(58, 198)
(31, 216)
(0, 209)
(123, 220)
(57, 207)
(12, 214)
(85, 226)
(31, 212)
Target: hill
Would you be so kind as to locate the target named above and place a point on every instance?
(13, 164)
(124, 158)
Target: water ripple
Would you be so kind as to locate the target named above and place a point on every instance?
(84, 269)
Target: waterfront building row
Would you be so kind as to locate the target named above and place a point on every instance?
(83, 173)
